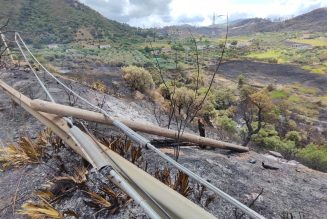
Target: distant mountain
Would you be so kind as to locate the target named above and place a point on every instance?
(252, 25)
(60, 21)
(314, 21)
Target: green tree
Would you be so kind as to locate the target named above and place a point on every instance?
(254, 107)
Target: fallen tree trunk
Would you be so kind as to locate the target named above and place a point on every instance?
(63, 110)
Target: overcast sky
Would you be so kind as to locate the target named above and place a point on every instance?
(151, 13)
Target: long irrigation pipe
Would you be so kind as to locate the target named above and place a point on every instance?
(146, 143)
(94, 154)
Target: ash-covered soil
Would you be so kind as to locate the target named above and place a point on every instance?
(273, 73)
(292, 189)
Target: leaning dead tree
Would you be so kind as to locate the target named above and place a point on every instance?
(184, 104)
(3, 45)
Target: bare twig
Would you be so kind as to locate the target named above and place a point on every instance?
(15, 196)
(218, 64)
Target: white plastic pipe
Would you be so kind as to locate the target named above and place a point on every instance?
(120, 182)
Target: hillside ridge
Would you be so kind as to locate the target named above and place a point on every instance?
(59, 21)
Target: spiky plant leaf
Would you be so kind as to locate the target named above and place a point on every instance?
(26, 152)
(45, 194)
(99, 200)
(38, 210)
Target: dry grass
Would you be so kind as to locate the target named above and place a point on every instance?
(26, 152)
(79, 177)
(164, 176)
(63, 186)
(99, 86)
(40, 209)
(136, 153)
(181, 184)
(120, 146)
(108, 200)
(99, 200)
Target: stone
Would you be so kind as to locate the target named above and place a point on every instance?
(270, 166)
(253, 161)
(276, 154)
(138, 95)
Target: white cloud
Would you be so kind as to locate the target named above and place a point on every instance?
(151, 13)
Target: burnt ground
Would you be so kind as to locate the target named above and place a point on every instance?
(272, 73)
(292, 188)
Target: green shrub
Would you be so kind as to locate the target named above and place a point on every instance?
(267, 131)
(195, 79)
(183, 97)
(224, 98)
(314, 156)
(208, 106)
(138, 78)
(227, 124)
(294, 136)
(269, 139)
(166, 89)
(286, 147)
(240, 80)
(272, 142)
(272, 60)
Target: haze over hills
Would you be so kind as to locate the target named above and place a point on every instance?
(314, 21)
(59, 21)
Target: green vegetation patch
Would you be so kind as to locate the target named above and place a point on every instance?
(312, 42)
(266, 55)
(271, 56)
(294, 99)
(304, 89)
(279, 94)
(314, 156)
(316, 69)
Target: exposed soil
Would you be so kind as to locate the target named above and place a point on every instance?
(292, 188)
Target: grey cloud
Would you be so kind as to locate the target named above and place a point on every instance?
(143, 8)
(128, 10)
(190, 20)
(113, 9)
